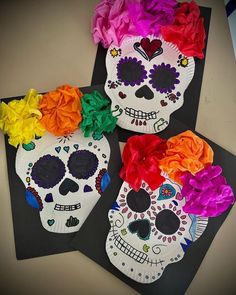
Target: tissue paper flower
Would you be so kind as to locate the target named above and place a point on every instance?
(207, 193)
(149, 16)
(97, 115)
(141, 157)
(19, 119)
(111, 22)
(185, 152)
(187, 31)
(61, 110)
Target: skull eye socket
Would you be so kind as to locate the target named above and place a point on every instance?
(48, 171)
(164, 77)
(82, 164)
(138, 201)
(130, 71)
(167, 222)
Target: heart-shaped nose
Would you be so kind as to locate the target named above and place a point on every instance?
(67, 186)
(145, 92)
(141, 227)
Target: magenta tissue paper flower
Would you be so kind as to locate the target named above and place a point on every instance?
(116, 19)
(207, 192)
(149, 16)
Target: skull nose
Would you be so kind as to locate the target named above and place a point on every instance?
(145, 92)
(67, 186)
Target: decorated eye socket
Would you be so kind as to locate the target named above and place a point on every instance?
(82, 164)
(166, 191)
(167, 222)
(130, 71)
(48, 171)
(164, 77)
(138, 201)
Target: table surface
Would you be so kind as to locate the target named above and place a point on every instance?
(48, 43)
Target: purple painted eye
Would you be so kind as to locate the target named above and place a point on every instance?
(130, 71)
(82, 164)
(164, 77)
(48, 171)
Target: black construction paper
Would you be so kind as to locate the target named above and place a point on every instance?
(31, 239)
(188, 112)
(176, 277)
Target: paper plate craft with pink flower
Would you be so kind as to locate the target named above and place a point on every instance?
(63, 168)
(170, 190)
(148, 68)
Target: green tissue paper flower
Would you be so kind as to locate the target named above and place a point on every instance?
(97, 115)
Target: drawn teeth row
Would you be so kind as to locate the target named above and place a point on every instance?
(140, 115)
(59, 207)
(129, 250)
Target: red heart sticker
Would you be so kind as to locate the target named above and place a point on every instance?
(150, 47)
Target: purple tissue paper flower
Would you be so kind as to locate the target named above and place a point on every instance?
(207, 192)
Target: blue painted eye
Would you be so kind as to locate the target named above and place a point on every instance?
(166, 191)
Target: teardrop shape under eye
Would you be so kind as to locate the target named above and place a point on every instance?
(138, 201)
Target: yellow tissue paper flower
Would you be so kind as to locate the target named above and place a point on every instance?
(19, 119)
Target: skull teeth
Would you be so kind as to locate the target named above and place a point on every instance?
(59, 207)
(129, 250)
(140, 114)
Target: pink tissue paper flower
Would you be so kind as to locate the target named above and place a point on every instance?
(207, 192)
(114, 20)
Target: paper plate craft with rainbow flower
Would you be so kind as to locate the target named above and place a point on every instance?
(63, 168)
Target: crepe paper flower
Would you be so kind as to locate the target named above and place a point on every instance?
(131, 71)
(149, 16)
(187, 31)
(61, 110)
(141, 157)
(207, 193)
(186, 152)
(97, 115)
(19, 119)
(111, 22)
(164, 77)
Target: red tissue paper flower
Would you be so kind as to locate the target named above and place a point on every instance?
(141, 157)
(207, 192)
(187, 31)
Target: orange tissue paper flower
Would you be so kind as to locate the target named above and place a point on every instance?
(186, 152)
(61, 110)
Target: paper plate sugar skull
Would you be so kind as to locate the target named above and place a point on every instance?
(146, 81)
(170, 189)
(64, 177)
(149, 230)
